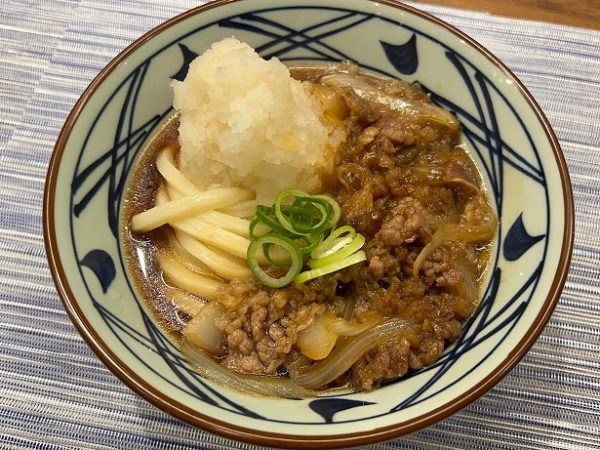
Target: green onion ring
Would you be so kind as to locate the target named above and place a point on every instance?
(302, 198)
(332, 241)
(336, 211)
(347, 250)
(307, 275)
(260, 274)
(266, 215)
(266, 248)
(301, 227)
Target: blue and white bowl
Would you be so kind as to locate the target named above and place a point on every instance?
(503, 128)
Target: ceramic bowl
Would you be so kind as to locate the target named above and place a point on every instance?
(503, 128)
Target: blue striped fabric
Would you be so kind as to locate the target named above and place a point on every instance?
(55, 394)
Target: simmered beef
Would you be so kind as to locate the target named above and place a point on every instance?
(403, 181)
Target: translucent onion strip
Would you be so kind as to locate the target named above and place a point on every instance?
(455, 232)
(345, 328)
(317, 341)
(346, 353)
(203, 331)
(371, 94)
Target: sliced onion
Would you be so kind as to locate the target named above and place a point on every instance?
(455, 232)
(437, 177)
(252, 384)
(317, 341)
(331, 100)
(369, 93)
(467, 289)
(346, 353)
(343, 327)
(203, 331)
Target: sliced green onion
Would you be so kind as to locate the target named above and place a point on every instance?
(307, 275)
(348, 249)
(299, 223)
(283, 242)
(336, 211)
(310, 243)
(266, 251)
(305, 216)
(334, 242)
(253, 224)
(308, 214)
(266, 215)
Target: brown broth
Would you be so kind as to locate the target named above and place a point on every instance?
(140, 250)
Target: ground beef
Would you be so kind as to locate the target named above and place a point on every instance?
(262, 325)
(413, 178)
(387, 361)
(398, 180)
(398, 130)
(405, 226)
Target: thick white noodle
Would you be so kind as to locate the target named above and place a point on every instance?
(234, 224)
(218, 237)
(195, 227)
(225, 267)
(187, 303)
(207, 245)
(245, 209)
(162, 196)
(187, 259)
(192, 282)
(219, 219)
(165, 163)
(188, 206)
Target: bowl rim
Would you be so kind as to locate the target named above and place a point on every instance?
(239, 433)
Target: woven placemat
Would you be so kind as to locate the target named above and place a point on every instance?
(55, 394)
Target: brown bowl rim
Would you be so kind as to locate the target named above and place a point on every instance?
(232, 431)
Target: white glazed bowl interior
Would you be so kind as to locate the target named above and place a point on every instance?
(504, 130)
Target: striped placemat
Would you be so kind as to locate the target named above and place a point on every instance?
(55, 394)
